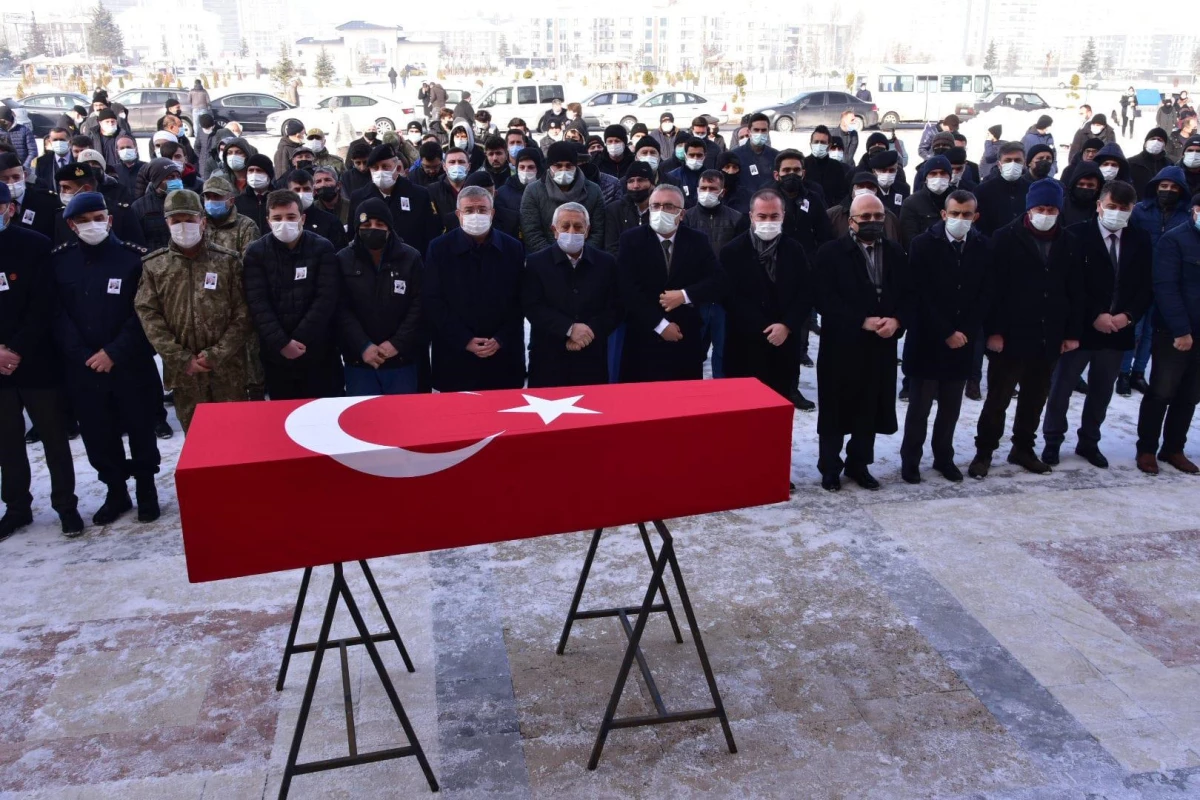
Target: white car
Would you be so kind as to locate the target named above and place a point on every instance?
(684, 105)
(363, 110)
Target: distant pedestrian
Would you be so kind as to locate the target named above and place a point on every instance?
(392, 78)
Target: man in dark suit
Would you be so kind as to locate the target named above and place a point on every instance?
(768, 296)
(666, 272)
(57, 156)
(316, 219)
(950, 266)
(33, 207)
(1114, 263)
(1035, 316)
(862, 282)
(416, 220)
(569, 296)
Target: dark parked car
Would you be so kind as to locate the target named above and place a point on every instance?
(1021, 101)
(147, 106)
(249, 108)
(45, 109)
(810, 109)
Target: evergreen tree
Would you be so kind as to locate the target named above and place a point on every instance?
(284, 69)
(1088, 62)
(324, 71)
(103, 36)
(503, 47)
(1010, 61)
(202, 51)
(243, 49)
(991, 62)
(36, 45)
(163, 46)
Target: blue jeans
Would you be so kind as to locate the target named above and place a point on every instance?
(1138, 358)
(366, 381)
(616, 343)
(713, 332)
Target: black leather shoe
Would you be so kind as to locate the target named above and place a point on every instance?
(1093, 456)
(910, 474)
(169, 398)
(863, 478)
(115, 504)
(13, 520)
(1124, 388)
(973, 392)
(1138, 381)
(831, 483)
(1028, 460)
(163, 430)
(1081, 386)
(147, 501)
(806, 361)
(33, 437)
(802, 403)
(72, 523)
(903, 395)
(949, 471)
(1050, 455)
(980, 465)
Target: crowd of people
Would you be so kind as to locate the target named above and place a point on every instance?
(413, 261)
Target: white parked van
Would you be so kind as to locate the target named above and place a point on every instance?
(527, 100)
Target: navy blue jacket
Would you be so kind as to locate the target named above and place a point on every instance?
(1150, 217)
(1109, 291)
(764, 165)
(96, 286)
(689, 181)
(474, 291)
(26, 308)
(1177, 281)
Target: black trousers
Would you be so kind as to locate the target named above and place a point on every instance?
(860, 451)
(1174, 392)
(1004, 373)
(130, 405)
(47, 410)
(323, 377)
(921, 394)
(1102, 367)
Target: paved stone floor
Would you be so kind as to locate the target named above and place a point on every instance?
(1023, 637)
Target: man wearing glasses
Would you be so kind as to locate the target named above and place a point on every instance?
(861, 282)
(666, 272)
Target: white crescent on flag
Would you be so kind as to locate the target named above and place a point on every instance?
(316, 426)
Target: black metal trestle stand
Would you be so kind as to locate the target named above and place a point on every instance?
(633, 651)
(340, 589)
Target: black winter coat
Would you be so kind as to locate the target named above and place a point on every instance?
(1036, 303)
(147, 212)
(27, 308)
(253, 205)
(920, 212)
(616, 168)
(620, 216)
(1001, 201)
(1127, 290)
(325, 225)
(555, 296)
(720, 224)
(951, 290)
(293, 294)
(1143, 167)
(380, 303)
(37, 211)
(832, 176)
(413, 214)
(806, 219)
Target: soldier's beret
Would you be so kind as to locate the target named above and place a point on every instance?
(182, 201)
(74, 172)
(83, 203)
(380, 153)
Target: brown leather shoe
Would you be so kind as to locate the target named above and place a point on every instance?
(1147, 463)
(1180, 462)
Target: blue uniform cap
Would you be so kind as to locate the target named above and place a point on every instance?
(84, 202)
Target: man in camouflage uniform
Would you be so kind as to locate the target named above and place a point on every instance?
(233, 231)
(322, 157)
(193, 309)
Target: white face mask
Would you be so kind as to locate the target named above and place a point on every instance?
(236, 163)
(708, 199)
(476, 224)
(563, 178)
(938, 185)
(956, 177)
(128, 154)
(1114, 219)
(1043, 222)
(836, 155)
(316, 145)
(759, 139)
(460, 142)
(861, 190)
(1191, 159)
(1011, 170)
(1109, 172)
(60, 147)
(651, 160)
(663, 223)
(306, 200)
(1097, 130)
(615, 150)
(1154, 146)
(257, 180)
(383, 179)
(185, 234)
(742, 142)
(413, 136)
(17, 190)
(667, 127)
(92, 232)
(886, 179)
(526, 177)
(958, 228)
(66, 197)
(694, 164)
(555, 134)
(820, 150)
(768, 230)
(571, 243)
(108, 128)
(286, 231)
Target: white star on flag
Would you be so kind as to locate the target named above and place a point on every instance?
(549, 410)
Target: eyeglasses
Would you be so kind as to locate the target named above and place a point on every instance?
(870, 217)
(670, 208)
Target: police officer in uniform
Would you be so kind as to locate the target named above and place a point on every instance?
(80, 177)
(110, 370)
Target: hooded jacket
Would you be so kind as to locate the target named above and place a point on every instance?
(223, 169)
(148, 209)
(283, 155)
(1108, 136)
(1151, 217)
(991, 159)
(1074, 210)
(475, 154)
(508, 196)
(1031, 138)
(1111, 151)
(1144, 166)
(543, 196)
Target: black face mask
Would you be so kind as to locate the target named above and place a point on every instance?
(373, 239)
(941, 151)
(1041, 169)
(639, 195)
(870, 231)
(731, 182)
(791, 184)
(370, 136)
(1083, 196)
(874, 151)
(327, 193)
(307, 166)
(1166, 199)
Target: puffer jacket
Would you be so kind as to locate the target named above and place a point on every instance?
(539, 202)
(21, 137)
(292, 294)
(720, 224)
(1150, 217)
(380, 303)
(147, 210)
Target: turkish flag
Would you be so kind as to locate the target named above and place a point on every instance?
(280, 485)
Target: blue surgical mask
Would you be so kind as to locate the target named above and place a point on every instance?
(174, 185)
(216, 208)
(759, 139)
(679, 153)
(457, 172)
(515, 149)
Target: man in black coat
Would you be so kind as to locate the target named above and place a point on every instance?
(830, 174)
(720, 224)
(379, 317)
(616, 157)
(473, 301)
(633, 209)
(951, 266)
(806, 219)
(768, 295)
(1035, 316)
(666, 273)
(415, 218)
(320, 222)
(924, 207)
(1002, 196)
(82, 177)
(1152, 160)
(569, 296)
(291, 278)
(862, 286)
(1113, 261)
(30, 379)
(33, 207)
(252, 202)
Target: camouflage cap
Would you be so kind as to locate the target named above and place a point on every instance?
(182, 201)
(220, 186)
(316, 132)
